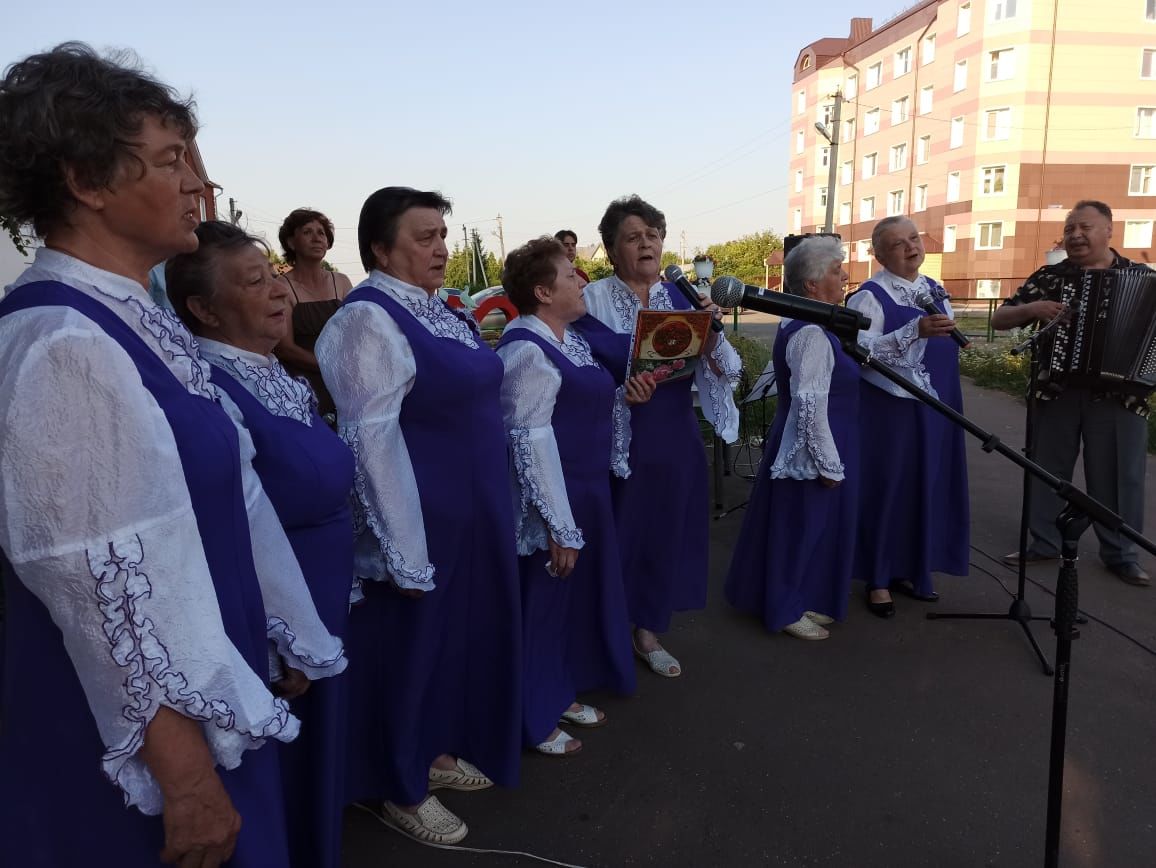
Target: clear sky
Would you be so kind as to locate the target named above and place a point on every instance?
(541, 112)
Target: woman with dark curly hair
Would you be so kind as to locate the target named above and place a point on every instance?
(558, 403)
(664, 571)
(151, 572)
(315, 295)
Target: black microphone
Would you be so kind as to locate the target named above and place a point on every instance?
(676, 276)
(732, 292)
(924, 301)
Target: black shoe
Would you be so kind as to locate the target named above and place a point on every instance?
(908, 590)
(880, 610)
(1133, 574)
(1031, 557)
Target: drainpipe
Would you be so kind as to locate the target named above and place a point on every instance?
(1047, 118)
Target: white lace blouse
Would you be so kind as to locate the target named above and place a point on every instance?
(96, 518)
(808, 448)
(369, 368)
(901, 350)
(265, 379)
(529, 392)
(614, 304)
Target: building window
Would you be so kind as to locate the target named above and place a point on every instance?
(921, 197)
(953, 187)
(800, 142)
(1150, 10)
(1146, 122)
(1148, 63)
(867, 208)
(846, 251)
(898, 160)
(894, 203)
(1001, 10)
(204, 209)
(923, 150)
(997, 124)
(870, 165)
(949, 239)
(863, 250)
(956, 140)
(849, 130)
(871, 122)
(987, 287)
(844, 213)
(992, 180)
(852, 88)
(1141, 181)
(899, 110)
(989, 236)
(1001, 64)
(926, 97)
(847, 173)
(797, 220)
(1138, 234)
(874, 75)
(824, 157)
(822, 198)
(963, 20)
(960, 80)
(826, 113)
(801, 102)
(799, 181)
(805, 63)
(902, 61)
(927, 49)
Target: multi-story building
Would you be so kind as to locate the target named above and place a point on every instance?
(984, 121)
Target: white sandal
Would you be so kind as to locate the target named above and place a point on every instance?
(586, 716)
(819, 618)
(805, 628)
(659, 660)
(466, 777)
(557, 745)
(432, 822)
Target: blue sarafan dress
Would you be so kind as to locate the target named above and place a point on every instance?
(914, 508)
(308, 474)
(149, 569)
(418, 401)
(663, 481)
(558, 404)
(793, 554)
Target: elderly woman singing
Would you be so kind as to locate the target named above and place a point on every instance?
(558, 404)
(226, 294)
(151, 570)
(661, 507)
(790, 565)
(438, 635)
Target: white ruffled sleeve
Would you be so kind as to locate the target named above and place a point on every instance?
(808, 448)
(291, 619)
(98, 524)
(529, 391)
(369, 368)
(620, 435)
(901, 350)
(716, 389)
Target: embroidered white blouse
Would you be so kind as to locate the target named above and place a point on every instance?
(96, 518)
(369, 368)
(902, 350)
(529, 392)
(265, 379)
(808, 449)
(614, 304)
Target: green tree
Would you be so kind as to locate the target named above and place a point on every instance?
(669, 257)
(595, 270)
(745, 257)
(458, 270)
(9, 225)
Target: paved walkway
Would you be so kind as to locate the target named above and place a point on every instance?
(899, 743)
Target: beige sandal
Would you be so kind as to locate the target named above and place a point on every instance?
(466, 777)
(660, 661)
(432, 822)
(558, 745)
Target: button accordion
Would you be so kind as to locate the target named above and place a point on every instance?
(1108, 341)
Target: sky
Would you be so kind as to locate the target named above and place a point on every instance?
(541, 113)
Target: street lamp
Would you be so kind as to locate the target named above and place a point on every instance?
(831, 134)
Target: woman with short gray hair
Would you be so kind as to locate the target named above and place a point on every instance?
(790, 565)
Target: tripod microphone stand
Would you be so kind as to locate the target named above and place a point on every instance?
(1080, 512)
(1019, 611)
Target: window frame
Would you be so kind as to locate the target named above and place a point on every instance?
(1001, 168)
(958, 124)
(1147, 243)
(956, 87)
(863, 202)
(997, 138)
(957, 177)
(979, 231)
(874, 158)
(1149, 177)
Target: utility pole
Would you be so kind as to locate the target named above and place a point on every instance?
(501, 238)
(234, 214)
(831, 134)
(682, 246)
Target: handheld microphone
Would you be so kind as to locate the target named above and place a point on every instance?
(675, 275)
(924, 301)
(732, 292)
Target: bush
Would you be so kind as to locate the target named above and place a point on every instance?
(755, 355)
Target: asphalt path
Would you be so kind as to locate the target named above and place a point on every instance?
(894, 743)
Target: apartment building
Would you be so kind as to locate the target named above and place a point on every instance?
(984, 121)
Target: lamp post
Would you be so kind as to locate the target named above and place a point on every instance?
(831, 134)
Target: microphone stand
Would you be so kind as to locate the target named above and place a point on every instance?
(1019, 611)
(1080, 512)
